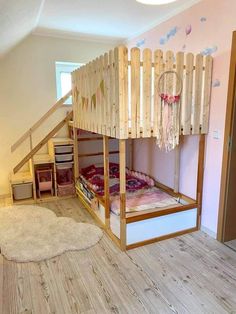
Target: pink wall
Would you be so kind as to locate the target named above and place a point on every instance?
(212, 23)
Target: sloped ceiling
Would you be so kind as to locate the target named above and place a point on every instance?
(17, 19)
(100, 20)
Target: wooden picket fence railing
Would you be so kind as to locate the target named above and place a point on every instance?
(119, 98)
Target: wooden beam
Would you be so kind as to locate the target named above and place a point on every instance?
(98, 154)
(171, 192)
(32, 171)
(177, 166)
(85, 139)
(42, 142)
(200, 175)
(157, 212)
(161, 238)
(131, 154)
(153, 65)
(76, 155)
(106, 180)
(58, 104)
(174, 66)
(121, 60)
(122, 194)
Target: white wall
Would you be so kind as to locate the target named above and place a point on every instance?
(28, 90)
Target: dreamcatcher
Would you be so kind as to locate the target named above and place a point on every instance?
(169, 89)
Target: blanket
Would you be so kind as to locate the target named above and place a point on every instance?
(148, 199)
(94, 177)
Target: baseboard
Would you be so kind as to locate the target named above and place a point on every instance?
(209, 232)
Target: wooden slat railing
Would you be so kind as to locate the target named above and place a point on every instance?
(28, 133)
(43, 142)
(117, 97)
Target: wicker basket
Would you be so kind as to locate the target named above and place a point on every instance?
(66, 189)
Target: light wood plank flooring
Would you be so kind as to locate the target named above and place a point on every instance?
(231, 244)
(189, 274)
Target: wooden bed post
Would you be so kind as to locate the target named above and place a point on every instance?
(177, 167)
(131, 155)
(122, 195)
(75, 137)
(200, 175)
(76, 154)
(31, 164)
(106, 179)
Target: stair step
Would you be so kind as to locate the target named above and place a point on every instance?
(61, 141)
(43, 159)
(21, 177)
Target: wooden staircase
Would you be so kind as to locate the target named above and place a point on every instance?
(43, 142)
(24, 177)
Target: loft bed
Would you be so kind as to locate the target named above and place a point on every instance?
(161, 95)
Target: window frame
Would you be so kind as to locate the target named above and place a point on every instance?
(64, 67)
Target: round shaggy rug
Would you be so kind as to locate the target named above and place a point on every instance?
(31, 233)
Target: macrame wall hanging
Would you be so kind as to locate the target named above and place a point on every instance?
(169, 90)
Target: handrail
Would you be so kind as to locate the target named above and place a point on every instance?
(27, 134)
(43, 142)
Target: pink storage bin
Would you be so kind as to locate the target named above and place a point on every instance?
(44, 180)
(65, 182)
(64, 176)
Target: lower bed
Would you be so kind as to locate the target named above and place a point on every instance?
(150, 211)
(141, 194)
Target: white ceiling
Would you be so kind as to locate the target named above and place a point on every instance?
(17, 19)
(104, 20)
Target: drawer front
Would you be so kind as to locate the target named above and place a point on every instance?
(63, 149)
(62, 158)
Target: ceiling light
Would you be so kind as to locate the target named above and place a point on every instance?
(155, 2)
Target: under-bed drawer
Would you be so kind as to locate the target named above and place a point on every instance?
(156, 227)
(161, 226)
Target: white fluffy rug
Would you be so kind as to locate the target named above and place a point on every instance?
(32, 233)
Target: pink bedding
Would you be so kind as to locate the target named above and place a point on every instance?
(94, 177)
(151, 198)
(140, 191)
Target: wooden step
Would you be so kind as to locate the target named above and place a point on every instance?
(21, 177)
(62, 141)
(43, 142)
(41, 159)
(27, 134)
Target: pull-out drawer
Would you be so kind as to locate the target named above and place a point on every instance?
(64, 157)
(63, 149)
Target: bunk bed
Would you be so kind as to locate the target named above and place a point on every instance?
(154, 94)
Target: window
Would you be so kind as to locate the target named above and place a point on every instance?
(63, 78)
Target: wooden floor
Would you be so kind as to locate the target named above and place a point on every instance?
(231, 244)
(189, 274)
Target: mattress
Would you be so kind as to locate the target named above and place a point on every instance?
(140, 191)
